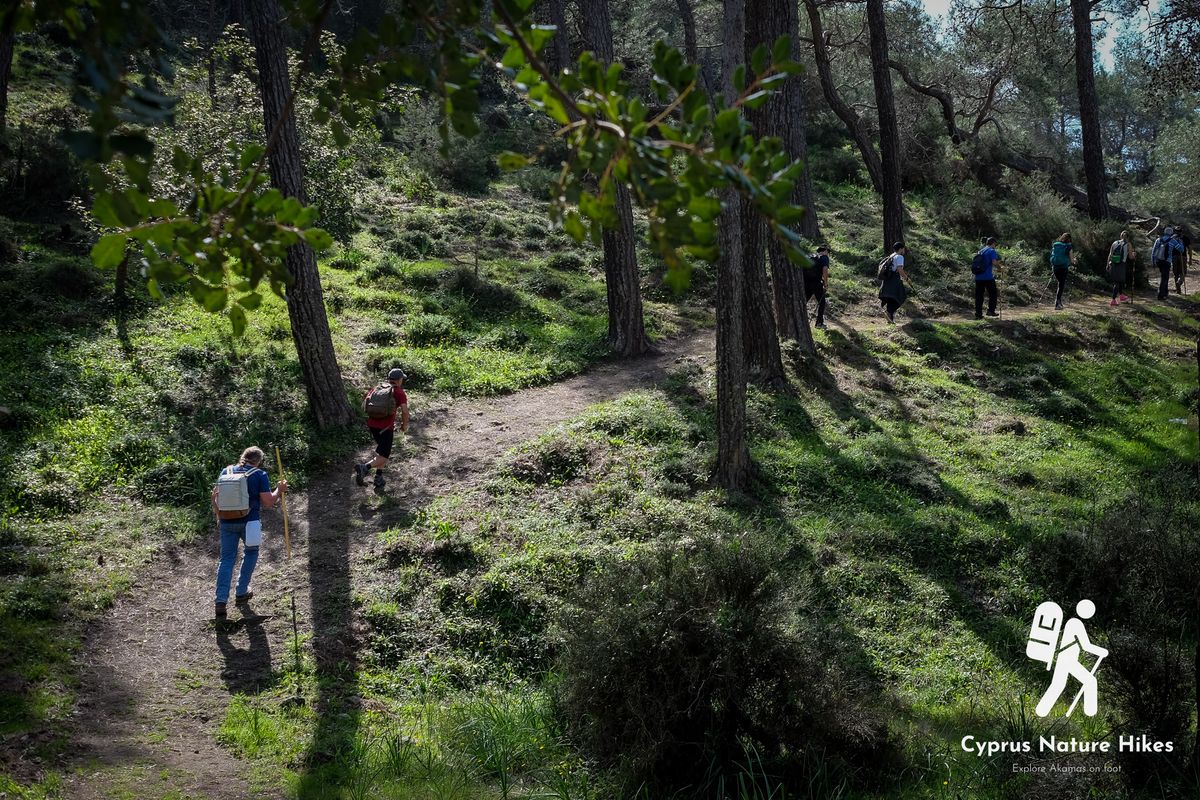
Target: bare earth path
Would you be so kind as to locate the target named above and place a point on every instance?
(157, 675)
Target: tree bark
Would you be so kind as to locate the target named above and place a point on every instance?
(6, 57)
(848, 116)
(687, 18)
(1089, 111)
(760, 336)
(560, 45)
(305, 299)
(889, 131)
(626, 326)
(784, 116)
(733, 454)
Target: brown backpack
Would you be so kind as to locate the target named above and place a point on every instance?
(381, 402)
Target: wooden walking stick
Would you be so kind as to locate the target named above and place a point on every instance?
(287, 539)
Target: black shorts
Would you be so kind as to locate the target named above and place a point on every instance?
(383, 440)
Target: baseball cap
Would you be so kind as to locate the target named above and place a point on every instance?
(396, 374)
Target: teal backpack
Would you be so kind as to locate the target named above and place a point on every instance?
(1060, 254)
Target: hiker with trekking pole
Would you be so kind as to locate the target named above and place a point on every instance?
(983, 267)
(241, 491)
(1120, 257)
(891, 276)
(381, 405)
(1062, 258)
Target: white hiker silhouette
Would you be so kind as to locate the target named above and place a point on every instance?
(1074, 643)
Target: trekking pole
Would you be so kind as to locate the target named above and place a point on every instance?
(1095, 667)
(287, 539)
(1046, 288)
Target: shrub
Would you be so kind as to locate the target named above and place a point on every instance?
(677, 658)
(382, 335)
(486, 297)
(545, 283)
(39, 183)
(1037, 214)
(567, 262)
(426, 329)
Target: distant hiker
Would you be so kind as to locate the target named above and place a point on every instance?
(1182, 258)
(891, 277)
(816, 281)
(983, 268)
(242, 489)
(1164, 255)
(381, 405)
(1120, 256)
(1062, 258)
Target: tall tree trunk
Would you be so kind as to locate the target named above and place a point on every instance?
(848, 116)
(763, 357)
(560, 46)
(784, 117)
(1089, 110)
(761, 339)
(889, 131)
(306, 304)
(6, 57)
(626, 327)
(733, 455)
(691, 49)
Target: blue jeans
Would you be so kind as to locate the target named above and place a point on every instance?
(231, 534)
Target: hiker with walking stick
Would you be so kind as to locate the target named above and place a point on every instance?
(1062, 258)
(983, 267)
(241, 491)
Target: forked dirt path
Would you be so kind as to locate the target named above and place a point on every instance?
(157, 674)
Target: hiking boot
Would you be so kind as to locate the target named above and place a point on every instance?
(1058, 307)
(360, 473)
(992, 314)
(821, 324)
(1123, 298)
(243, 598)
(379, 482)
(979, 316)
(1114, 302)
(220, 611)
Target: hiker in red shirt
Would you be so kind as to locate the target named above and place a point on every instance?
(381, 405)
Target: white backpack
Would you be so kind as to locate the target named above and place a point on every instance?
(233, 494)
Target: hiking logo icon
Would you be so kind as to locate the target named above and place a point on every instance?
(1061, 647)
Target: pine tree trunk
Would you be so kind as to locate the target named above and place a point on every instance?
(691, 49)
(6, 57)
(559, 51)
(784, 117)
(626, 327)
(889, 131)
(306, 305)
(733, 455)
(761, 339)
(848, 116)
(1089, 111)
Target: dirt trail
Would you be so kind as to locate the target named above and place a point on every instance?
(157, 674)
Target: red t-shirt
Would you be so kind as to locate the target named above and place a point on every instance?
(383, 423)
